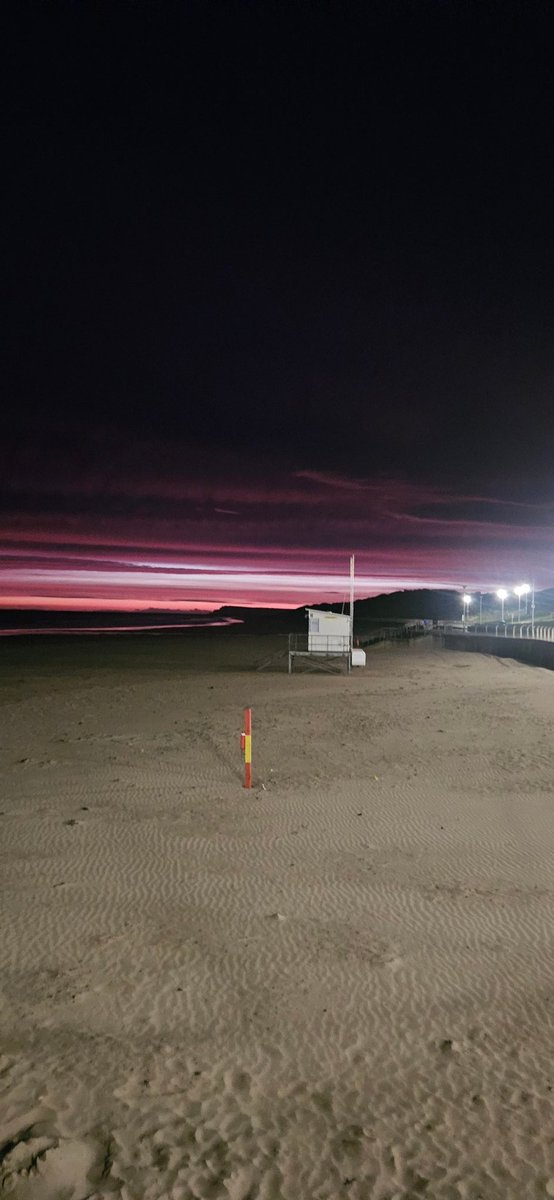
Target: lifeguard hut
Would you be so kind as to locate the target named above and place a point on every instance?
(329, 640)
(326, 645)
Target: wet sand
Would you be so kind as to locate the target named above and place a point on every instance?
(340, 984)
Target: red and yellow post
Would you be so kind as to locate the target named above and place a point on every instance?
(246, 747)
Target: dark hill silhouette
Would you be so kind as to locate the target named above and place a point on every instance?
(431, 604)
(425, 603)
(421, 604)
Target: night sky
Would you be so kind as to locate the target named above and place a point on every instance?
(280, 289)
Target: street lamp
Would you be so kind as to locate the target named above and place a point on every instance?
(466, 601)
(502, 596)
(522, 590)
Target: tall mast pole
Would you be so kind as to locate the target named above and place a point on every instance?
(352, 564)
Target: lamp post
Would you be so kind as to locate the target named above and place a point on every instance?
(502, 596)
(522, 590)
(466, 601)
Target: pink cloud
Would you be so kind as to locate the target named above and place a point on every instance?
(158, 526)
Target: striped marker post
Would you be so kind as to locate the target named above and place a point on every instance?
(246, 747)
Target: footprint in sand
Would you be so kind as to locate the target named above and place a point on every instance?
(35, 1164)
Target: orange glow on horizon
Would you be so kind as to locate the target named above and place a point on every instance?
(55, 604)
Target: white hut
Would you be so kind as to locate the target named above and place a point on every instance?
(328, 632)
(329, 638)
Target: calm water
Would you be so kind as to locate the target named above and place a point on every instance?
(12, 624)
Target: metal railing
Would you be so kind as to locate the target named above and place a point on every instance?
(393, 633)
(320, 652)
(319, 643)
(541, 633)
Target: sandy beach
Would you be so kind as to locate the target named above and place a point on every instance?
(339, 984)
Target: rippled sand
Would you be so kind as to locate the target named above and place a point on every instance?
(340, 984)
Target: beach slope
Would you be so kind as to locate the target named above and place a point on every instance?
(339, 984)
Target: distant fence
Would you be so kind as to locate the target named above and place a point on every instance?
(539, 633)
(393, 633)
(535, 647)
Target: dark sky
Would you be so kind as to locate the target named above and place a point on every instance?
(281, 288)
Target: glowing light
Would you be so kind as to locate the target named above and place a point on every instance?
(502, 596)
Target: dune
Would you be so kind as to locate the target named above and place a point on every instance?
(338, 984)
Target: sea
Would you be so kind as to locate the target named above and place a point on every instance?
(25, 623)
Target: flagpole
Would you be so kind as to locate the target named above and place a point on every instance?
(352, 564)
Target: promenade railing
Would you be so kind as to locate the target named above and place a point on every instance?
(541, 633)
